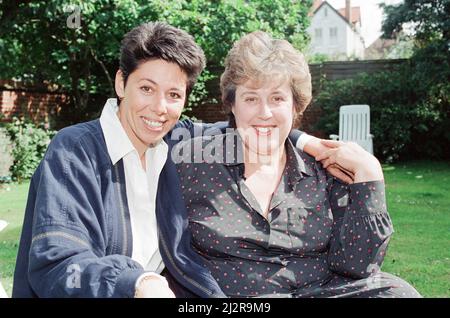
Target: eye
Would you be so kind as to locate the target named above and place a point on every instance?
(278, 99)
(146, 89)
(250, 99)
(174, 95)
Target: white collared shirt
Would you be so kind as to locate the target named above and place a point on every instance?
(141, 186)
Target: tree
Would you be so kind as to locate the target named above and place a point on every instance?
(73, 45)
(429, 71)
(430, 22)
(429, 19)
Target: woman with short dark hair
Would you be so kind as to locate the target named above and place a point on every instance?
(90, 223)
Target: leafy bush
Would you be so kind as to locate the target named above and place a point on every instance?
(6, 159)
(29, 145)
(83, 61)
(318, 58)
(409, 117)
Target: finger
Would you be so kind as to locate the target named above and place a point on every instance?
(325, 154)
(350, 173)
(327, 162)
(339, 174)
(336, 167)
(331, 143)
(340, 168)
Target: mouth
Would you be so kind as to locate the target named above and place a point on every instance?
(263, 130)
(153, 125)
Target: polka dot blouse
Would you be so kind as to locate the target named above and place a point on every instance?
(317, 227)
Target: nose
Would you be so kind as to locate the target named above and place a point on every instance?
(265, 112)
(159, 107)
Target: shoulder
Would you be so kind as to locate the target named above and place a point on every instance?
(72, 135)
(200, 154)
(310, 163)
(303, 159)
(200, 149)
(84, 139)
(315, 168)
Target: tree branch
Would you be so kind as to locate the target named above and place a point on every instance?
(105, 70)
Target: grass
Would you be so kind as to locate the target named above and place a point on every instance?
(12, 207)
(419, 203)
(418, 196)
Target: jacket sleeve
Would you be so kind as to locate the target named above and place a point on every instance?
(361, 228)
(67, 256)
(294, 136)
(187, 129)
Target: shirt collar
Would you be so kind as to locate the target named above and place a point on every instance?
(232, 149)
(296, 168)
(117, 141)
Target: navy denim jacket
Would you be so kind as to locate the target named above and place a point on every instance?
(76, 239)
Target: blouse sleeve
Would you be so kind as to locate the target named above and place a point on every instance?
(361, 228)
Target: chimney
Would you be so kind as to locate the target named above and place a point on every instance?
(348, 11)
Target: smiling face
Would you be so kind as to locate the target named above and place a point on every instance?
(151, 101)
(264, 115)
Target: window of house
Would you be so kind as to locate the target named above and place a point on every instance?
(318, 35)
(333, 35)
(325, 12)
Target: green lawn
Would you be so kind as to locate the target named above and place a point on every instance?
(418, 196)
(419, 203)
(12, 207)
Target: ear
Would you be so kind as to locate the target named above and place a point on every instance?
(119, 84)
(232, 110)
(294, 109)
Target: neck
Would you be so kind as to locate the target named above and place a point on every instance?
(273, 162)
(140, 147)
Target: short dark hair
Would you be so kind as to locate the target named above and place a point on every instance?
(159, 40)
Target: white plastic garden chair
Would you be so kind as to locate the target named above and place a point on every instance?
(354, 125)
(3, 294)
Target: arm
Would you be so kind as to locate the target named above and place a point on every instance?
(313, 146)
(187, 129)
(361, 228)
(68, 249)
(300, 139)
(352, 158)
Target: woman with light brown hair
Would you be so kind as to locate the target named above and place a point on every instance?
(268, 220)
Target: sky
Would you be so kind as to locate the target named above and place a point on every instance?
(371, 16)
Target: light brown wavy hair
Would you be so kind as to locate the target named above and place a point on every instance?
(260, 58)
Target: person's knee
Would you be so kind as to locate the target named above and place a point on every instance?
(398, 287)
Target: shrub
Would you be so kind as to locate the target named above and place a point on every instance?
(83, 61)
(6, 158)
(29, 145)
